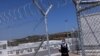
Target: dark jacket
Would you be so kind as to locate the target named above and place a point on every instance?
(64, 50)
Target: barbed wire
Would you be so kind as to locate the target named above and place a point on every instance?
(10, 19)
(22, 12)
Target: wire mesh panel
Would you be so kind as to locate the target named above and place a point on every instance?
(90, 26)
(90, 32)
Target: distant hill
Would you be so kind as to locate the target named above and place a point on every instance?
(36, 38)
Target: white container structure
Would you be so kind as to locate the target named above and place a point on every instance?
(25, 48)
(3, 48)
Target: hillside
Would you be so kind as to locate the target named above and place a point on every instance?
(36, 38)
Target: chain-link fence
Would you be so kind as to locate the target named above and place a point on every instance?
(89, 19)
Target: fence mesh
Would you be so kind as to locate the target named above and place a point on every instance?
(90, 24)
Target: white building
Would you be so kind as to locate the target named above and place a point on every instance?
(28, 48)
(25, 48)
(3, 48)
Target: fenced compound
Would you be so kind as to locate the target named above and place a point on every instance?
(31, 19)
(88, 13)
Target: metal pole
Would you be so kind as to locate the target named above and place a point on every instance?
(46, 27)
(47, 36)
(45, 20)
(80, 33)
(79, 27)
(38, 47)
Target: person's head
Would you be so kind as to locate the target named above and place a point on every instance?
(63, 40)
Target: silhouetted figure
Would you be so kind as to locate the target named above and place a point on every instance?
(64, 48)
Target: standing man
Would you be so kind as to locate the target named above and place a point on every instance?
(64, 48)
